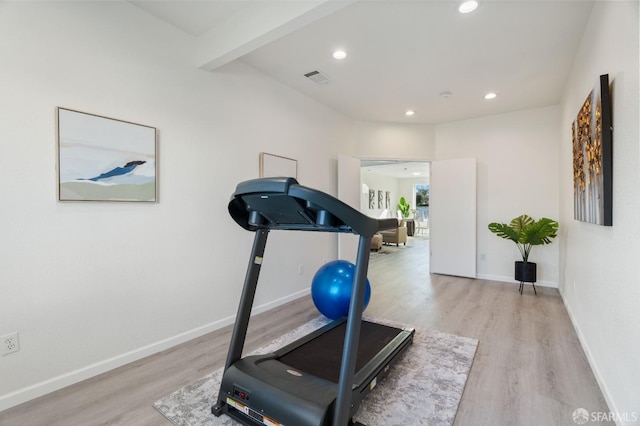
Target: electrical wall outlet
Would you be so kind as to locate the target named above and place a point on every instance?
(9, 343)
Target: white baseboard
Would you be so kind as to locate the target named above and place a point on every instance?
(506, 279)
(47, 386)
(596, 372)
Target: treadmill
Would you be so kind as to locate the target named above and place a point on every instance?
(321, 378)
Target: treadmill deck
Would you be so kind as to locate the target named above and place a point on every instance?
(322, 355)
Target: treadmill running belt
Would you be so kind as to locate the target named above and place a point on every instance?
(322, 355)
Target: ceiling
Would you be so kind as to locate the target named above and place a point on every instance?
(400, 54)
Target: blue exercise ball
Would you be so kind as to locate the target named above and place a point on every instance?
(331, 288)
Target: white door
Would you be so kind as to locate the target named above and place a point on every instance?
(452, 217)
(349, 193)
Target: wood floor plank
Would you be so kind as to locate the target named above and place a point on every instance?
(529, 368)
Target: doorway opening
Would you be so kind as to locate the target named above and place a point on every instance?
(385, 182)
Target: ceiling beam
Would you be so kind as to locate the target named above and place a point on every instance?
(257, 25)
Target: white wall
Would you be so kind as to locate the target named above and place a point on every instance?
(517, 166)
(394, 141)
(90, 286)
(599, 286)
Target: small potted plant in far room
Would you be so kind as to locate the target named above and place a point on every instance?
(526, 232)
(405, 211)
(404, 207)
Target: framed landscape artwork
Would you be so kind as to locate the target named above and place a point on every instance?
(593, 157)
(104, 159)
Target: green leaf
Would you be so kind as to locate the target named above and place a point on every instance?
(541, 232)
(519, 224)
(404, 207)
(503, 230)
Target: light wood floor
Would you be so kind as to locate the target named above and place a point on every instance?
(529, 368)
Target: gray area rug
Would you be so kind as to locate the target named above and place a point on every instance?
(423, 388)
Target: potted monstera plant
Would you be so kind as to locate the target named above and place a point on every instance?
(526, 232)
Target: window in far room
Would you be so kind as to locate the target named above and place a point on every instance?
(421, 197)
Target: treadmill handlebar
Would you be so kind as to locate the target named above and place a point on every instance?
(282, 203)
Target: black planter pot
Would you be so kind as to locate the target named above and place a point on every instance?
(526, 273)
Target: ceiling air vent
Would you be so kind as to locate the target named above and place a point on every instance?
(317, 77)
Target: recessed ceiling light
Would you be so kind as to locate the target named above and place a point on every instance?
(339, 54)
(416, 173)
(467, 6)
(445, 95)
(409, 113)
(490, 96)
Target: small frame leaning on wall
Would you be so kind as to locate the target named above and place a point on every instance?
(104, 159)
(277, 166)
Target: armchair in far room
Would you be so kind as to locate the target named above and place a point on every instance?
(395, 236)
(376, 242)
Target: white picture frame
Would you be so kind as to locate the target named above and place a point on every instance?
(272, 165)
